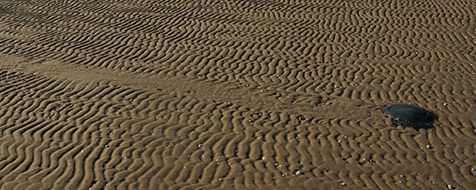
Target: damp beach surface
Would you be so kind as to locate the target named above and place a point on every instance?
(237, 94)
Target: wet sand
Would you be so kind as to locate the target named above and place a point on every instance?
(235, 94)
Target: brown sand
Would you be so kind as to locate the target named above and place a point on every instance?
(235, 94)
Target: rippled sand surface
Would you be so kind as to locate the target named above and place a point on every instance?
(235, 94)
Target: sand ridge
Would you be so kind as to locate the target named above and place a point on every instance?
(235, 94)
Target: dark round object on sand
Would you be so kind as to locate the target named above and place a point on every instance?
(410, 116)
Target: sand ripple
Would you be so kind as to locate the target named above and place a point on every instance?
(235, 94)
